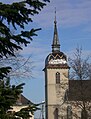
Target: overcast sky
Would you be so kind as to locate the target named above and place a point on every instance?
(74, 28)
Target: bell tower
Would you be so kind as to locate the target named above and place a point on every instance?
(56, 78)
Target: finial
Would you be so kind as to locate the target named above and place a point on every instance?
(55, 16)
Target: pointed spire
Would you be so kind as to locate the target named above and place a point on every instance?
(55, 44)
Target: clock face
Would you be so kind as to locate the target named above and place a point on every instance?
(57, 61)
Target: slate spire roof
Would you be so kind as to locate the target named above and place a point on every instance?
(55, 44)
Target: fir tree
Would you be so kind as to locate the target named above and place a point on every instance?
(16, 15)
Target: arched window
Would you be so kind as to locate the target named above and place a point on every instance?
(69, 112)
(57, 78)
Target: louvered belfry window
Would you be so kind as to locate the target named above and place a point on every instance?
(57, 78)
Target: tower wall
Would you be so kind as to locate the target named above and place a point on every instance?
(56, 78)
(54, 93)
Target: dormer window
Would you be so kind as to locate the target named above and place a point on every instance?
(57, 78)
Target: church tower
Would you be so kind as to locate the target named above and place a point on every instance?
(56, 79)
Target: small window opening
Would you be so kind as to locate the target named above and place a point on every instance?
(57, 78)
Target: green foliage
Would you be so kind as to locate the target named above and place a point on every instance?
(8, 96)
(16, 15)
(24, 112)
(4, 72)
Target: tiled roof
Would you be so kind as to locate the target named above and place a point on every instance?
(54, 66)
(23, 100)
(79, 90)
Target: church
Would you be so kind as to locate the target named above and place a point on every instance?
(64, 98)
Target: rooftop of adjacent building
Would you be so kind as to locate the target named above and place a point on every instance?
(79, 90)
(22, 101)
